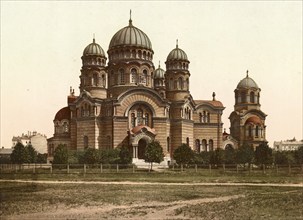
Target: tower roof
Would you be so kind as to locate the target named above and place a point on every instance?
(159, 73)
(93, 49)
(247, 82)
(177, 54)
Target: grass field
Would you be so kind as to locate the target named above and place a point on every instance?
(93, 201)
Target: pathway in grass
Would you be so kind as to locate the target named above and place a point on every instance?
(150, 210)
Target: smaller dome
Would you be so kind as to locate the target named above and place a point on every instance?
(159, 73)
(62, 114)
(93, 49)
(247, 82)
(177, 54)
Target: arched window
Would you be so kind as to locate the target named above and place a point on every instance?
(208, 117)
(144, 77)
(122, 78)
(200, 117)
(198, 145)
(140, 116)
(146, 119)
(243, 97)
(171, 83)
(95, 78)
(211, 145)
(133, 120)
(168, 144)
(180, 83)
(103, 81)
(187, 141)
(85, 142)
(252, 97)
(204, 145)
(65, 127)
(133, 75)
(257, 131)
(249, 131)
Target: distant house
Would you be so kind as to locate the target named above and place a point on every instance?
(288, 145)
(5, 154)
(37, 140)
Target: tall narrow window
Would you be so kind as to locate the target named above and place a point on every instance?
(252, 97)
(65, 127)
(198, 145)
(144, 77)
(204, 145)
(211, 145)
(133, 75)
(85, 142)
(140, 117)
(208, 117)
(187, 141)
(146, 119)
(133, 120)
(243, 97)
(180, 83)
(103, 81)
(257, 131)
(95, 77)
(122, 78)
(168, 144)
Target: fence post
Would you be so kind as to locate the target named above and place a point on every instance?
(223, 167)
(196, 168)
(84, 168)
(289, 169)
(277, 168)
(181, 167)
(51, 168)
(34, 168)
(173, 166)
(209, 168)
(237, 168)
(263, 165)
(117, 168)
(16, 168)
(67, 168)
(133, 168)
(101, 168)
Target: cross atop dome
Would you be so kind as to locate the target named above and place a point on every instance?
(130, 18)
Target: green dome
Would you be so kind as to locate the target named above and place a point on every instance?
(93, 49)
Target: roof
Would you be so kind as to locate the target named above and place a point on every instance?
(140, 128)
(93, 49)
(254, 120)
(6, 150)
(130, 36)
(159, 73)
(247, 82)
(214, 103)
(63, 113)
(177, 54)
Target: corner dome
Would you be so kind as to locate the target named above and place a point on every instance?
(130, 36)
(62, 114)
(254, 120)
(177, 54)
(93, 49)
(247, 82)
(159, 73)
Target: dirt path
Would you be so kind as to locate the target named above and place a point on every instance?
(154, 183)
(151, 210)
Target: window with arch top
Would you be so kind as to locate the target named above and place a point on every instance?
(252, 97)
(122, 78)
(133, 75)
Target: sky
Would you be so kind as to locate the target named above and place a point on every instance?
(42, 43)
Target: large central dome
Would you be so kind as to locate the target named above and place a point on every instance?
(130, 36)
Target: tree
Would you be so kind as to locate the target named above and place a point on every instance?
(299, 155)
(60, 155)
(124, 155)
(219, 156)
(153, 153)
(41, 158)
(263, 154)
(91, 156)
(109, 156)
(245, 154)
(18, 155)
(229, 155)
(31, 154)
(183, 154)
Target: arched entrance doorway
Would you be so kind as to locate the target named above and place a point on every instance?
(141, 148)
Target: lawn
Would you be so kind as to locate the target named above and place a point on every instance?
(80, 201)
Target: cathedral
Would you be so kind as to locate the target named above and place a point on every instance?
(125, 100)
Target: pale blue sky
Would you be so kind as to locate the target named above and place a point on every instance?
(42, 45)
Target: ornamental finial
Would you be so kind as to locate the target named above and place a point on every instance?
(159, 63)
(130, 17)
(94, 38)
(246, 73)
(214, 96)
(177, 44)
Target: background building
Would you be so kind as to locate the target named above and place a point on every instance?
(37, 140)
(288, 145)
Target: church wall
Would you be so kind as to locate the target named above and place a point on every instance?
(120, 128)
(86, 128)
(181, 129)
(106, 133)
(162, 128)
